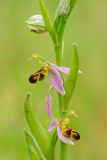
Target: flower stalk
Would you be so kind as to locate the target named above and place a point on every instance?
(58, 126)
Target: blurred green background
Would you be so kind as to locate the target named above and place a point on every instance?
(87, 26)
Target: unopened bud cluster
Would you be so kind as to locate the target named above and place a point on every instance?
(36, 24)
(64, 8)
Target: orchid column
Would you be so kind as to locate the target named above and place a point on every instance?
(42, 145)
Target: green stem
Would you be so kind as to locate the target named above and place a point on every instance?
(62, 146)
(62, 151)
(59, 54)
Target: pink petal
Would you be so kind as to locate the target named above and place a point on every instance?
(56, 80)
(61, 69)
(65, 69)
(63, 138)
(51, 126)
(48, 106)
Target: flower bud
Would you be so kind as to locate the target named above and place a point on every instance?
(36, 24)
(63, 8)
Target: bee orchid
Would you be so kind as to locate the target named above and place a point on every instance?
(64, 133)
(53, 71)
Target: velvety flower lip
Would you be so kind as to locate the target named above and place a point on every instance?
(39, 75)
(62, 129)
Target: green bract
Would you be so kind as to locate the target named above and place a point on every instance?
(71, 79)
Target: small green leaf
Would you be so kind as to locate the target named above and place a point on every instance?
(34, 151)
(38, 131)
(71, 78)
(48, 22)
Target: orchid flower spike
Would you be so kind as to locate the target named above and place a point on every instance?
(64, 133)
(53, 71)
